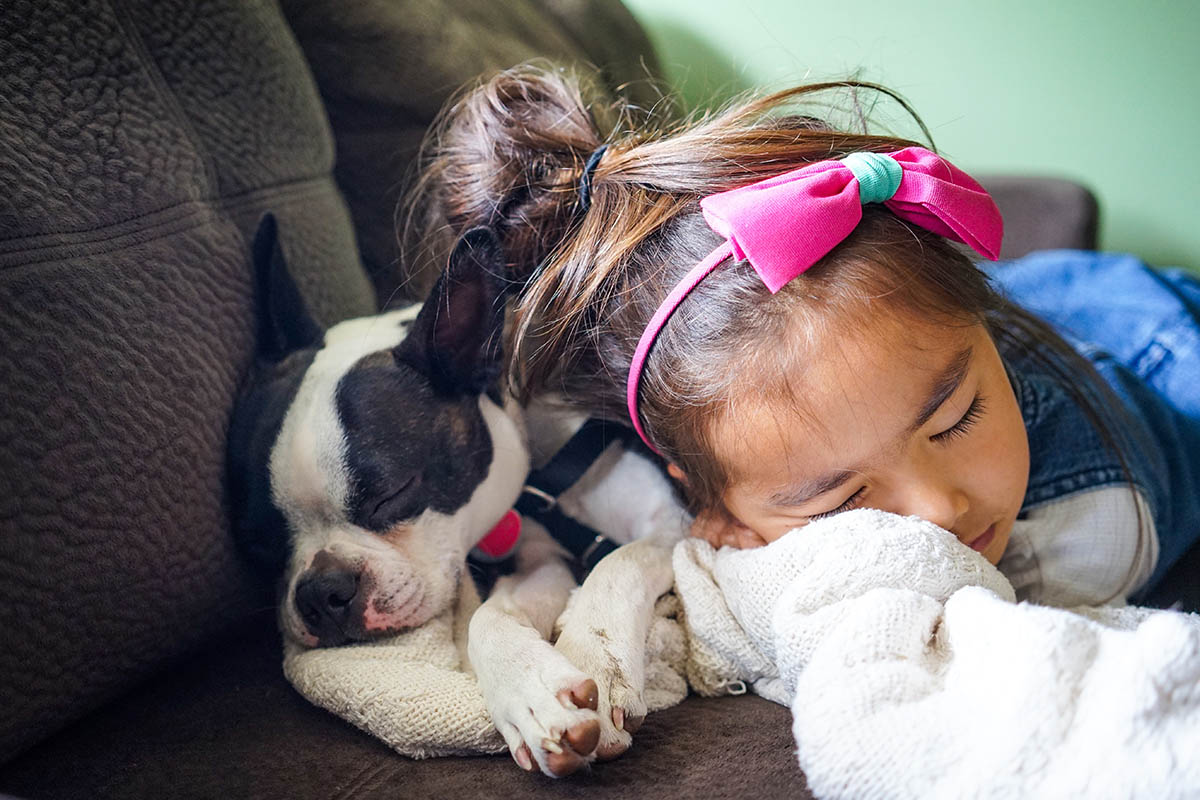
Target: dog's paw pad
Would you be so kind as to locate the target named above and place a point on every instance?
(571, 751)
(561, 761)
(607, 751)
(582, 695)
(560, 765)
(584, 736)
(616, 738)
(627, 722)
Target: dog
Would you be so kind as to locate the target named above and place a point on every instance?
(367, 460)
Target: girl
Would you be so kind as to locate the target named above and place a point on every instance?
(780, 309)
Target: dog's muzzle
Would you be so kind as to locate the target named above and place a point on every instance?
(329, 604)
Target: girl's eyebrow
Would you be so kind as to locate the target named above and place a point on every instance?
(799, 495)
(944, 385)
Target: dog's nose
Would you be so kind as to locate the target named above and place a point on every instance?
(324, 600)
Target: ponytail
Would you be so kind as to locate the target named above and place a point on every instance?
(507, 153)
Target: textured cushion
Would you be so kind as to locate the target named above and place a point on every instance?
(385, 68)
(139, 143)
(228, 725)
(1043, 213)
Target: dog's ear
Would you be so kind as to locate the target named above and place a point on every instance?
(284, 323)
(456, 337)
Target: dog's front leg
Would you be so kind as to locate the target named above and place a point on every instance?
(604, 634)
(541, 703)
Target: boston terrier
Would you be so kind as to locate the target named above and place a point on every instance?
(366, 462)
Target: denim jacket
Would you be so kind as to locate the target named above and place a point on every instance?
(1140, 329)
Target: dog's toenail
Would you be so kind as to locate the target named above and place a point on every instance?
(524, 758)
(586, 695)
(584, 737)
(551, 746)
(633, 723)
(618, 716)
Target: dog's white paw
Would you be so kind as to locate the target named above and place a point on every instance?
(618, 670)
(547, 715)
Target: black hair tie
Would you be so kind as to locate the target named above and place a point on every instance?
(585, 180)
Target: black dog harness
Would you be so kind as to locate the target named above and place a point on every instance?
(543, 487)
(539, 502)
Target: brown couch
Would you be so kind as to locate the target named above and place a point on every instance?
(140, 140)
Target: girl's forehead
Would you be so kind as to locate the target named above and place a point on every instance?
(840, 399)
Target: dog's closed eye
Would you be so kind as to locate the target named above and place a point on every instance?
(404, 502)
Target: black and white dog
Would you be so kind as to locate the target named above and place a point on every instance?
(367, 460)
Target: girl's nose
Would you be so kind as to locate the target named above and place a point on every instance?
(938, 499)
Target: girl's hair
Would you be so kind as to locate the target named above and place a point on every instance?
(510, 152)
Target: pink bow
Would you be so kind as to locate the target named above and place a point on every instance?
(785, 224)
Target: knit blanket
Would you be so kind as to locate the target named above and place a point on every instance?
(912, 673)
(415, 691)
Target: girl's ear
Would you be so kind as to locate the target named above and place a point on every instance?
(675, 472)
(456, 337)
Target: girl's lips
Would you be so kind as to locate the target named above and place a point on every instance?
(980, 542)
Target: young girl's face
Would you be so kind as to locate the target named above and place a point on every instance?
(905, 416)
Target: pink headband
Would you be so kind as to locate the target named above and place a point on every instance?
(785, 224)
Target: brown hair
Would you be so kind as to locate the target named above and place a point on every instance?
(510, 153)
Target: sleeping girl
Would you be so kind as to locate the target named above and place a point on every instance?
(786, 312)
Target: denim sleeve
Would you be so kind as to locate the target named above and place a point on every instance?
(1140, 328)
(1147, 319)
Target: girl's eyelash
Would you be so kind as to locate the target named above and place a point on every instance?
(960, 428)
(965, 423)
(850, 503)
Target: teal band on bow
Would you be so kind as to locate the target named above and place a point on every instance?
(878, 176)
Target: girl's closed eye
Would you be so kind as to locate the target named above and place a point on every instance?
(962, 427)
(851, 501)
(967, 421)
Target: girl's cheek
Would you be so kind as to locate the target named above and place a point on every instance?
(721, 530)
(776, 531)
(1003, 459)
(748, 539)
(712, 528)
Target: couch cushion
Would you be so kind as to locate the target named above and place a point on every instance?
(1043, 213)
(140, 140)
(226, 724)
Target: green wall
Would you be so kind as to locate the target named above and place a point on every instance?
(1105, 93)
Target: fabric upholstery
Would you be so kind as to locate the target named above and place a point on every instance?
(226, 724)
(1043, 213)
(141, 141)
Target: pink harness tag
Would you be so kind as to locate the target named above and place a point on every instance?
(502, 539)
